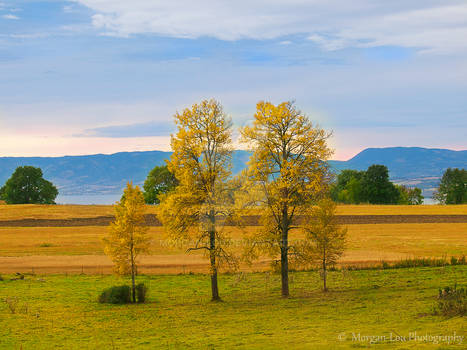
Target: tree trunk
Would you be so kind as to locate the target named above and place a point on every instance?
(214, 287)
(284, 254)
(325, 289)
(285, 247)
(133, 286)
(212, 255)
(284, 272)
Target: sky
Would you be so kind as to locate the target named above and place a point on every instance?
(104, 76)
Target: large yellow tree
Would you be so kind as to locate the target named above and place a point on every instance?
(201, 161)
(289, 165)
(127, 237)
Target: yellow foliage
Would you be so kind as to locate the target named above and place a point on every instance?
(128, 233)
(201, 161)
(288, 165)
(325, 239)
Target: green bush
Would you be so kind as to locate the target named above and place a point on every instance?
(141, 291)
(116, 295)
(452, 301)
(1, 278)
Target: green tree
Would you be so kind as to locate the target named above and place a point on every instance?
(160, 180)
(27, 186)
(324, 241)
(377, 188)
(127, 237)
(409, 196)
(289, 164)
(348, 187)
(452, 188)
(198, 207)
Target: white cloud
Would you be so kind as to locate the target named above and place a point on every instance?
(431, 25)
(29, 35)
(67, 8)
(10, 16)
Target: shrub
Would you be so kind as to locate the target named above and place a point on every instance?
(458, 261)
(116, 295)
(1, 278)
(452, 301)
(141, 291)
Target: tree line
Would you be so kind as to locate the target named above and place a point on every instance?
(372, 186)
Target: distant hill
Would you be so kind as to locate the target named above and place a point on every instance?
(407, 162)
(99, 173)
(108, 174)
(413, 166)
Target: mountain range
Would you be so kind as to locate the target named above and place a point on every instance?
(101, 174)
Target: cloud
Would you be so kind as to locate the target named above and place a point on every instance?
(131, 130)
(29, 35)
(432, 26)
(68, 8)
(10, 16)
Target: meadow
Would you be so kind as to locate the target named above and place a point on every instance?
(65, 269)
(381, 309)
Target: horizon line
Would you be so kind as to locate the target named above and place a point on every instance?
(155, 150)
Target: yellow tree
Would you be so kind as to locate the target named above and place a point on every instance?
(288, 163)
(201, 161)
(127, 237)
(324, 239)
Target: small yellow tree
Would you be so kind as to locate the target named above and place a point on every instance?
(289, 165)
(324, 239)
(128, 234)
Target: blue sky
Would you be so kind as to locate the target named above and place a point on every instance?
(101, 76)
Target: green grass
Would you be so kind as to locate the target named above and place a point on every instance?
(58, 311)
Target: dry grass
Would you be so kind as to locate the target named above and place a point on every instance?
(35, 211)
(402, 209)
(71, 249)
(32, 211)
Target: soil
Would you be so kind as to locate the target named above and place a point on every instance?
(251, 220)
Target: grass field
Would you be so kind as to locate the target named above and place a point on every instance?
(32, 211)
(79, 249)
(57, 311)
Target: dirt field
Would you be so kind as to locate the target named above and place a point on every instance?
(247, 220)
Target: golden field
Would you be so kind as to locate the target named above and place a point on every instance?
(79, 249)
(32, 211)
